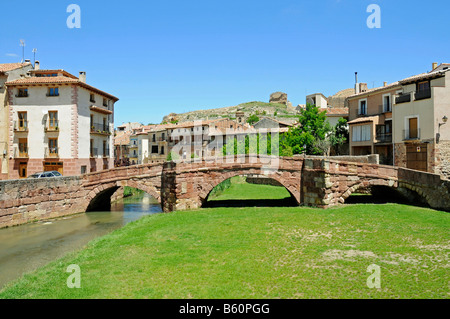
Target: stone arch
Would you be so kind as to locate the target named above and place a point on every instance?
(99, 198)
(405, 191)
(204, 194)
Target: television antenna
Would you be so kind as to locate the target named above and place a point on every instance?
(34, 52)
(22, 44)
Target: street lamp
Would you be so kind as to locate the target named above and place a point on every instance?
(438, 134)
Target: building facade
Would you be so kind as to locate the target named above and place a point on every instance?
(8, 72)
(421, 110)
(58, 122)
(370, 122)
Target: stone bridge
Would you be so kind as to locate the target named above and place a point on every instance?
(311, 181)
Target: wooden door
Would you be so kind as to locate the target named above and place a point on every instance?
(416, 157)
(23, 170)
(413, 128)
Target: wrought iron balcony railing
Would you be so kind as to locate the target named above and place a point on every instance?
(52, 152)
(384, 137)
(21, 152)
(411, 134)
(51, 126)
(98, 128)
(21, 126)
(423, 94)
(403, 98)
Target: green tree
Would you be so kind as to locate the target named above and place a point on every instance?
(339, 136)
(307, 137)
(252, 119)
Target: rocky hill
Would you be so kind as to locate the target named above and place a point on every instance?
(278, 111)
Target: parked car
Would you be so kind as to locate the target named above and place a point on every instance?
(46, 174)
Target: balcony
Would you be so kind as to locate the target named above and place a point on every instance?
(384, 138)
(51, 126)
(21, 126)
(385, 108)
(94, 152)
(403, 98)
(21, 152)
(411, 135)
(423, 94)
(102, 129)
(52, 152)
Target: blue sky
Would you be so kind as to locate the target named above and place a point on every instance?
(160, 57)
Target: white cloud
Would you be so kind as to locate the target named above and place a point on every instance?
(11, 54)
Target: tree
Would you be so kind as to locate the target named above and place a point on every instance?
(307, 137)
(252, 119)
(339, 136)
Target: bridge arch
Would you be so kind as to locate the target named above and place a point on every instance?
(206, 191)
(99, 199)
(402, 194)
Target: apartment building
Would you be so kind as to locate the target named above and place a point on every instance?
(58, 122)
(370, 121)
(421, 135)
(8, 72)
(405, 122)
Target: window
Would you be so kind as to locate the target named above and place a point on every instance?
(22, 92)
(83, 169)
(362, 107)
(154, 149)
(105, 102)
(23, 147)
(162, 150)
(52, 119)
(23, 124)
(52, 147)
(92, 98)
(387, 103)
(154, 138)
(361, 133)
(105, 153)
(105, 125)
(423, 86)
(53, 92)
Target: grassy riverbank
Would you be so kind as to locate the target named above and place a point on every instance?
(269, 252)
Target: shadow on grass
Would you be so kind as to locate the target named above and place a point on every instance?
(285, 202)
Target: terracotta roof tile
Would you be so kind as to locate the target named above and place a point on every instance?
(5, 67)
(58, 80)
(364, 119)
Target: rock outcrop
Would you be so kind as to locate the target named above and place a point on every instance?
(278, 97)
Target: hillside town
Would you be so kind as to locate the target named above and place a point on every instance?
(52, 120)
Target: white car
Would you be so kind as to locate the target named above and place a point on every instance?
(46, 174)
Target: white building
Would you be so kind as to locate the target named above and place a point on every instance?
(59, 122)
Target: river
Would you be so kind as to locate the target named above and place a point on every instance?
(27, 247)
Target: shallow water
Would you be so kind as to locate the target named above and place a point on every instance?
(27, 247)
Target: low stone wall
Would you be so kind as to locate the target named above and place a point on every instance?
(261, 180)
(368, 159)
(26, 200)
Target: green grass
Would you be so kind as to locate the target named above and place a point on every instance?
(239, 189)
(276, 252)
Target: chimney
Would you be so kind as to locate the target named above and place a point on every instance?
(37, 65)
(82, 77)
(435, 65)
(384, 83)
(27, 60)
(356, 83)
(362, 87)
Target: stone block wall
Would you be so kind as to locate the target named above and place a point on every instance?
(443, 162)
(26, 200)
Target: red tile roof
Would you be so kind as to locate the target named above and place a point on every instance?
(66, 79)
(5, 67)
(336, 111)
